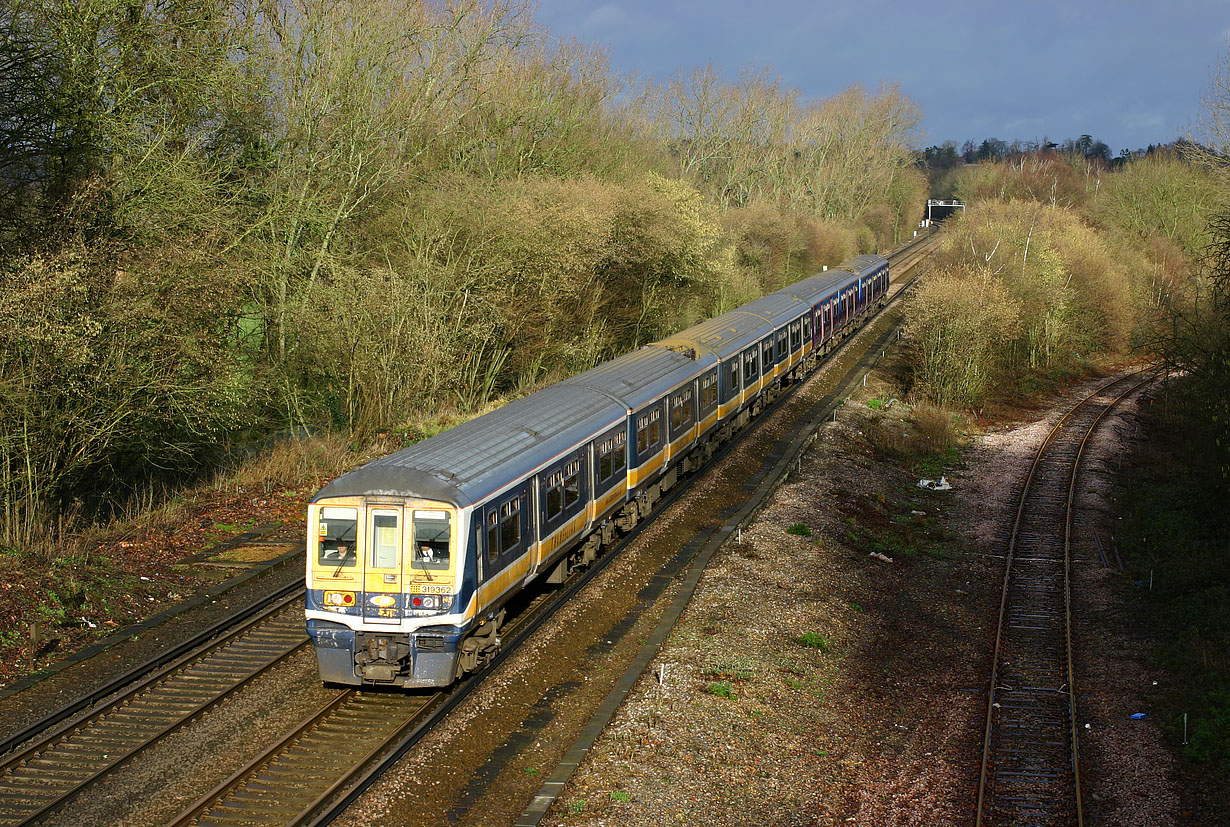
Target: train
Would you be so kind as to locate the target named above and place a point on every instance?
(413, 557)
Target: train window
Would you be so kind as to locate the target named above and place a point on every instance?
(554, 498)
(337, 536)
(606, 460)
(648, 431)
(708, 391)
(572, 483)
(766, 354)
(732, 376)
(431, 540)
(781, 344)
(621, 451)
(681, 410)
(384, 540)
(510, 524)
(796, 336)
(493, 535)
(807, 328)
(749, 365)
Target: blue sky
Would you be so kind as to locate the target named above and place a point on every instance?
(1127, 72)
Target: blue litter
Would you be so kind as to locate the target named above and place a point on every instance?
(1138, 716)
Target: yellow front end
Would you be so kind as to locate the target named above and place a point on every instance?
(378, 570)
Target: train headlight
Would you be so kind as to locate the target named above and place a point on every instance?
(384, 601)
(339, 600)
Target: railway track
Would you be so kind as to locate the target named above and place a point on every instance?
(1030, 771)
(52, 769)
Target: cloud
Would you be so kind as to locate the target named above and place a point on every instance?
(607, 16)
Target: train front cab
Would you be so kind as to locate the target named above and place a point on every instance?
(379, 573)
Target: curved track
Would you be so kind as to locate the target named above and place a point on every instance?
(1030, 774)
(47, 773)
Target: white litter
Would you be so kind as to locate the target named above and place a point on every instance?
(880, 556)
(89, 624)
(942, 485)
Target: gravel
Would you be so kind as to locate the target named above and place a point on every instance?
(882, 723)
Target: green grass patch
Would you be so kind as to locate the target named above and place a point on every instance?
(620, 795)
(813, 640)
(731, 669)
(800, 529)
(934, 466)
(722, 689)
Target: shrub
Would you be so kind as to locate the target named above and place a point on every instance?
(960, 326)
(935, 429)
(1209, 741)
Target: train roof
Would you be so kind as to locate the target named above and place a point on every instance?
(777, 308)
(642, 375)
(722, 335)
(815, 288)
(732, 332)
(470, 461)
(862, 264)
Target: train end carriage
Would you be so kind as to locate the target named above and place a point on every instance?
(412, 556)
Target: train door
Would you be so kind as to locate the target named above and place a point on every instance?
(382, 592)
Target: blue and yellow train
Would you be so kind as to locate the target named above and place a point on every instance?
(413, 557)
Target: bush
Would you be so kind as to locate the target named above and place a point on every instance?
(111, 388)
(1159, 196)
(1209, 738)
(960, 325)
(1016, 288)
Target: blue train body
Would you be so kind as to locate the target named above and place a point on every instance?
(413, 556)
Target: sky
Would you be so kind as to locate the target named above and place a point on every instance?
(1127, 72)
